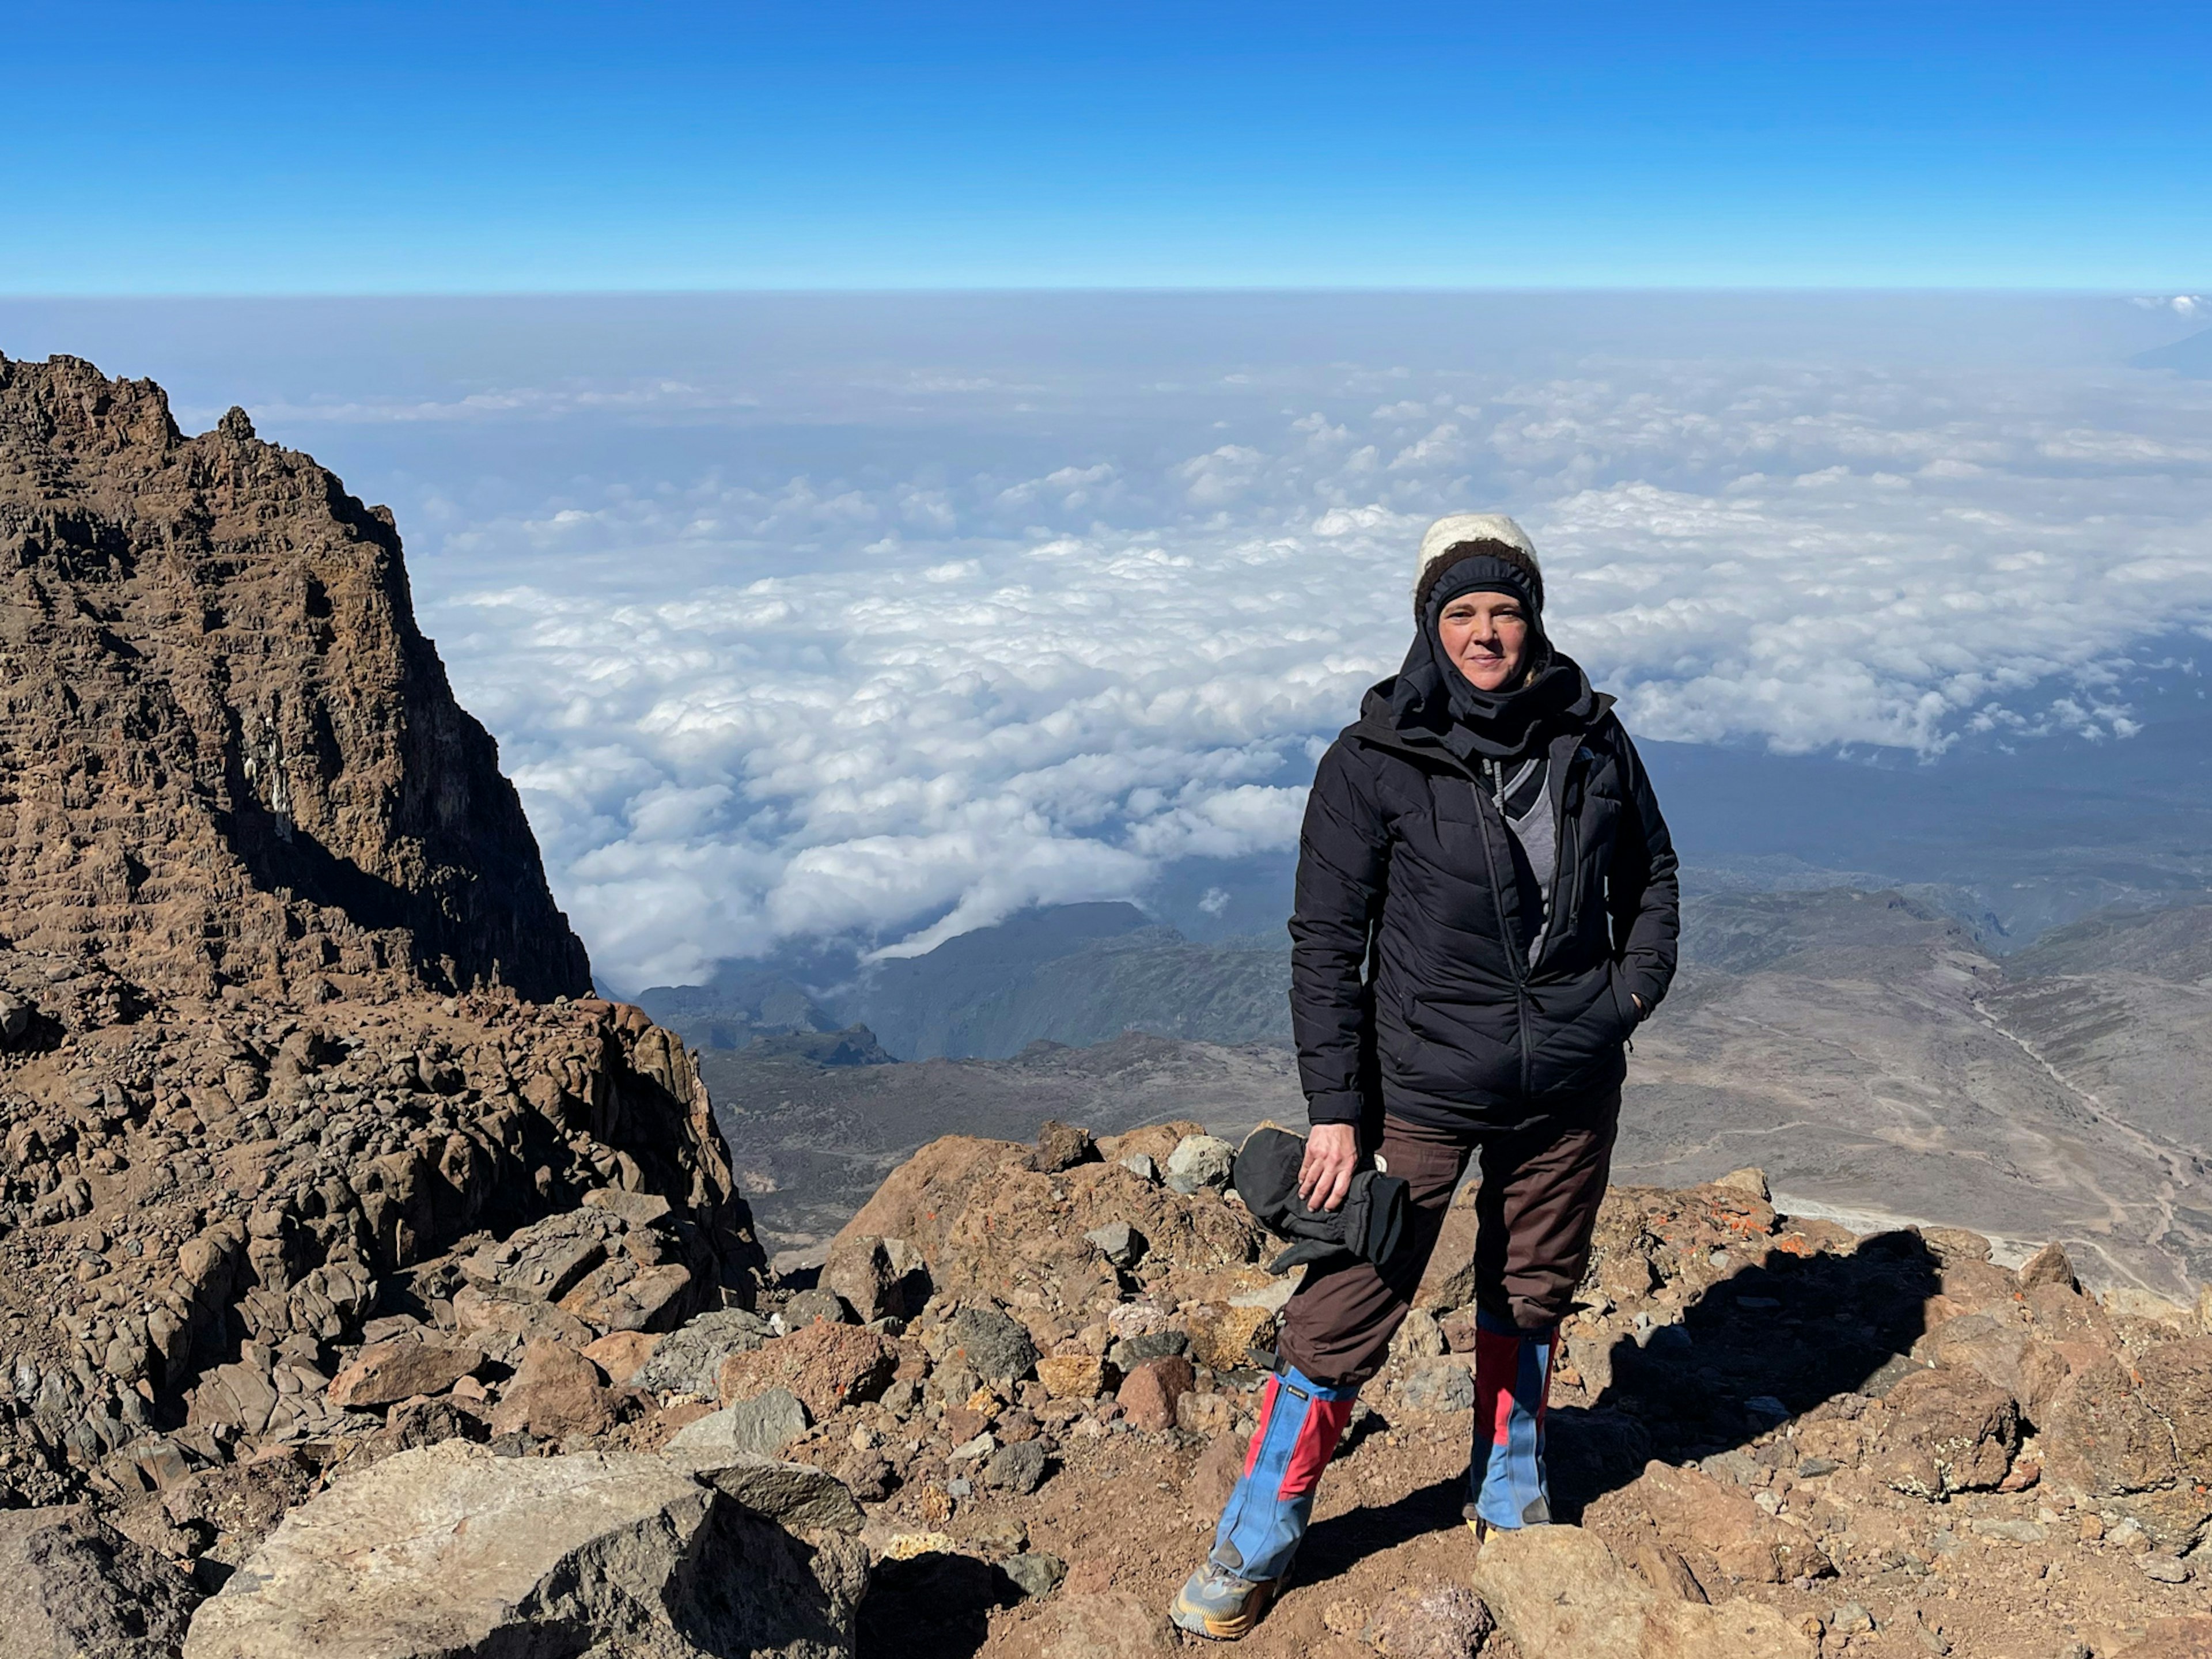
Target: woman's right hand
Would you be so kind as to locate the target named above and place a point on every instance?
(1332, 1154)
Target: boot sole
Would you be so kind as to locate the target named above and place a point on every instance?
(1233, 1628)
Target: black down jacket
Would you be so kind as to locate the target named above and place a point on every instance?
(1412, 986)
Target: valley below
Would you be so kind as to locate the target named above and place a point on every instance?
(1860, 1045)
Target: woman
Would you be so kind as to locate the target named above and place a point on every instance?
(1486, 907)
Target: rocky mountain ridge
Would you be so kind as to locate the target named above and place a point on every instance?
(228, 756)
(290, 1067)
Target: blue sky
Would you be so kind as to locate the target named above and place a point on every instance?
(413, 148)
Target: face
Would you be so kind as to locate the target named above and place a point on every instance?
(1486, 637)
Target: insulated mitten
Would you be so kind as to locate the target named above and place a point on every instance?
(1369, 1224)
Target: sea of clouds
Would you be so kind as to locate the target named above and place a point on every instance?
(897, 643)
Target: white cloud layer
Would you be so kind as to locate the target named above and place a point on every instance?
(748, 700)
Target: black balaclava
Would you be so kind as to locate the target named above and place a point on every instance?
(1494, 725)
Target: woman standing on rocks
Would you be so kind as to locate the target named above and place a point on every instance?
(1486, 907)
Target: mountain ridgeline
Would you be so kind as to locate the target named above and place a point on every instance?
(1072, 973)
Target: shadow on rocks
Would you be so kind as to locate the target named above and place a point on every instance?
(1767, 1343)
(1788, 1334)
(935, 1606)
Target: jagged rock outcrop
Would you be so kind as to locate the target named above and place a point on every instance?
(228, 756)
(308, 1155)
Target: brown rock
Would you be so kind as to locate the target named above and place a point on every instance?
(491, 1315)
(1207, 1414)
(1947, 1431)
(2002, 1352)
(2102, 1439)
(879, 1277)
(555, 1392)
(1698, 1514)
(385, 1373)
(622, 1354)
(624, 1296)
(1431, 1621)
(2049, 1266)
(826, 1365)
(1148, 1395)
(1073, 1376)
(1061, 1146)
(1558, 1593)
(2176, 1385)
(963, 1423)
(1223, 1337)
(1665, 1571)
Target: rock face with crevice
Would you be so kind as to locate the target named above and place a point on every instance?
(228, 756)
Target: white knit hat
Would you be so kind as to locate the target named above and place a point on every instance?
(1447, 533)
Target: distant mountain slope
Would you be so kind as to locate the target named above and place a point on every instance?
(1074, 974)
(810, 1143)
(1864, 1051)
(2172, 944)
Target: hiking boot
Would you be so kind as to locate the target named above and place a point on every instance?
(1508, 1485)
(1219, 1606)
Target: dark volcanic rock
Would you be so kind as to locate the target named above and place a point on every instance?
(70, 1585)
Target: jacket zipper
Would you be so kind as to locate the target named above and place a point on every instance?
(1515, 957)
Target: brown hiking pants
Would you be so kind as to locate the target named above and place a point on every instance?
(1535, 1212)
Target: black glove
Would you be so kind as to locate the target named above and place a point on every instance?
(1369, 1226)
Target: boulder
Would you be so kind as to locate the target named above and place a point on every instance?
(818, 1303)
(386, 1373)
(1716, 1522)
(1062, 1146)
(2000, 1351)
(826, 1365)
(622, 1296)
(759, 1427)
(2049, 1266)
(555, 1392)
(1947, 1432)
(689, 1359)
(621, 1354)
(994, 1345)
(2103, 1441)
(453, 1552)
(879, 1278)
(71, 1587)
(794, 1495)
(1558, 1593)
(1199, 1161)
(1434, 1621)
(1148, 1395)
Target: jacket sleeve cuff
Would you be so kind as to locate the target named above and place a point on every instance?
(1650, 989)
(1339, 1106)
